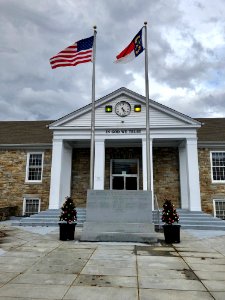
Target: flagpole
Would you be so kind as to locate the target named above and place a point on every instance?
(92, 152)
(147, 114)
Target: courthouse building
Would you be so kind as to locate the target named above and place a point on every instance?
(42, 162)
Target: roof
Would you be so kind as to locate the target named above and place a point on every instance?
(212, 130)
(25, 132)
(37, 132)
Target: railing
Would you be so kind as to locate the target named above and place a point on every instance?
(156, 208)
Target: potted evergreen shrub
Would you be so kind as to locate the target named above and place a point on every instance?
(169, 217)
(68, 220)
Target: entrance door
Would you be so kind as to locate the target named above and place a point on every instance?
(124, 174)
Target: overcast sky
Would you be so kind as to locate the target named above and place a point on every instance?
(186, 46)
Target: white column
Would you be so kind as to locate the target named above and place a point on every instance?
(190, 187)
(144, 167)
(99, 171)
(151, 165)
(60, 185)
(183, 176)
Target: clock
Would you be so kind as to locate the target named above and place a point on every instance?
(122, 108)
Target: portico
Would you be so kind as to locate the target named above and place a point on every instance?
(120, 150)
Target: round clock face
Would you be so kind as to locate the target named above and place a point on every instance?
(122, 108)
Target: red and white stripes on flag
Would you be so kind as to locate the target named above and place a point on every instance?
(78, 53)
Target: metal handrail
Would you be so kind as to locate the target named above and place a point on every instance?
(156, 207)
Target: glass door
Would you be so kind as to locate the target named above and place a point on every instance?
(124, 174)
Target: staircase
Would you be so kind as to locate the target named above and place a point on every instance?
(194, 220)
(49, 218)
(188, 219)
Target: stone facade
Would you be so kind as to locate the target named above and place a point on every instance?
(165, 165)
(166, 175)
(209, 190)
(13, 187)
(80, 176)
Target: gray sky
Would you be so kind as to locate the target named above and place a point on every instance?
(186, 41)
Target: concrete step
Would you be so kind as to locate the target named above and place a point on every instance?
(188, 220)
(49, 218)
(193, 220)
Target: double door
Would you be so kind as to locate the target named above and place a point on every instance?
(124, 174)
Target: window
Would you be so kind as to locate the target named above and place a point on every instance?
(124, 174)
(219, 208)
(34, 167)
(31, 206)
(218, 166)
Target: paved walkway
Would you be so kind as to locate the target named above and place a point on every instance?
(34, 264)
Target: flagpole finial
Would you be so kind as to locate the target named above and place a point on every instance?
(94, 27)
(145, 23)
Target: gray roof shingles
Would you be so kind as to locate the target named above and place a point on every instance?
(25, 132)
(212, 130)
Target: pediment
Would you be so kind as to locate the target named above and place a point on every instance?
(160, 115)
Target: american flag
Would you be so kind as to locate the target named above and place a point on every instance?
(78, 53)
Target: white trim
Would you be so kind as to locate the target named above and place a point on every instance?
(125, 175)
(27, 167)
(211, 167)
(214, 206)
(120, 92)
(31, 198)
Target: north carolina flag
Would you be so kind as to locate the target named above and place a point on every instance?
(132, 50)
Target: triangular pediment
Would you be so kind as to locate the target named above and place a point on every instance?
(160, 116)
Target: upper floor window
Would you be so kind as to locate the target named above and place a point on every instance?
(218, 166)
(34, 166)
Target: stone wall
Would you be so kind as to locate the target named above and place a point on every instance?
(209, 190)
(166, 175)
(80, 176)
(165, 164)
(13, 187)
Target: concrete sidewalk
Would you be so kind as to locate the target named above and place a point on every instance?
(34, 264)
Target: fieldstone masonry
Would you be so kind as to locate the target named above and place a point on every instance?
(165, 169)
(209, 190)
(12, 180)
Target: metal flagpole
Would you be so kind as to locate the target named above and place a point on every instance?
(147, 114)
(92, 152)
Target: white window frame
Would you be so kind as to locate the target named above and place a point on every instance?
(211, 162)
(31, 198)
(27, 167)
(124, 175)
(214, 206)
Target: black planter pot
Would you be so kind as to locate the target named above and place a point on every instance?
(66, 231)
(171, 233)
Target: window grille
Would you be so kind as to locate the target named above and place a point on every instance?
(31, 206)
(219, 208)
(34, 167)
(218, 166)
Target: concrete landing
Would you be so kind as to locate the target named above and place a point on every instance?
(35, 264)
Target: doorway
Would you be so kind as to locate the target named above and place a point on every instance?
(124, 174)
